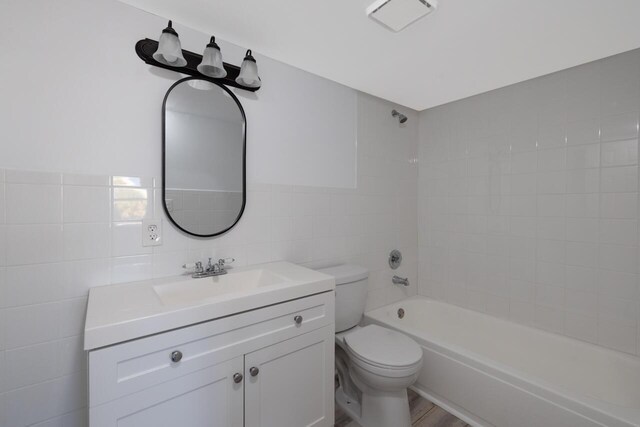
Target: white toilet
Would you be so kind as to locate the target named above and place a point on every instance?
(375, 365)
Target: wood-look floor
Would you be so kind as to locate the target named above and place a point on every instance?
(423, 414)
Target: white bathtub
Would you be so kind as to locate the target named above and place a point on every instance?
(492, 372)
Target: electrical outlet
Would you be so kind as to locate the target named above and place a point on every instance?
(151, 232)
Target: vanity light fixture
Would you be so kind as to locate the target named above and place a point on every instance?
(167, 53)
(212, 65)
(249, 72)
(169, 50)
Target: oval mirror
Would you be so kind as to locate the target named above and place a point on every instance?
(204, 140)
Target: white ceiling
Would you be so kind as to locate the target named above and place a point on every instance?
(466, 47)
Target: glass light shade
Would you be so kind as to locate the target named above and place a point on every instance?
(248, 76)
(169, 50)
(211, 64)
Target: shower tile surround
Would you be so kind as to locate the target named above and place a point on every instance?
(61, 234)
(528, 202)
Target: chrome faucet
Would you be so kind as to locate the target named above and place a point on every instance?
(400, 280)
(212, 269)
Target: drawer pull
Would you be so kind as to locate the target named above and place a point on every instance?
(176, 356)
(237, 378)
(254, 371)
(298, 319)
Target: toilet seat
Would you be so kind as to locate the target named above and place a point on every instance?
(383, 351)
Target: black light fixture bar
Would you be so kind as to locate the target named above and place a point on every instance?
(146, 48)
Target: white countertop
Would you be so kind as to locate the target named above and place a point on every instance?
(122, 312)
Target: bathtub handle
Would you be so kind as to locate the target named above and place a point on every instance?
(400, 280)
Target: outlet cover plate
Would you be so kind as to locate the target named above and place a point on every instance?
(151, 232)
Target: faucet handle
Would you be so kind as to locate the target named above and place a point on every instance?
(196, 266)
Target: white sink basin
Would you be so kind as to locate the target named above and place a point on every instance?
(126, 311)
(228, 285)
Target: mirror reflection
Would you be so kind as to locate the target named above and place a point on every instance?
(204, 152)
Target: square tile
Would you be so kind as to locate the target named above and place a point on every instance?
(585, 303)
(126, 239)
(551, 205)
(583, 279)
(583, 132)
(551, 182)
(619, 127)
(552, 159)
(21, 410)
(619, 179)
(619, 205)
(585, 180)
(583, 156)
(89, 180)
(618, 285)
(81, 275)
(86, 241)
(583, 205)
(30, 365)
(38, 323)
(24, 285)
(619, 153)
(33, 244)
(583, 230)
(551, 275)
(623, 259)
(86, 204)
(33, 204)
(131, 268)
(619, 231)
(582, 254)
(29, 177)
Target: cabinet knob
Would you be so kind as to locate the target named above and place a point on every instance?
(237, 377)
(254, 371)
(176, 356)
(298, 319)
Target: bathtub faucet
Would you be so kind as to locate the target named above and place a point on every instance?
(400, 280)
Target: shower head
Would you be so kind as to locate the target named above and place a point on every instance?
(401, 117)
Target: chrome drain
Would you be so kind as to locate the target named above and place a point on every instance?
(401, 313)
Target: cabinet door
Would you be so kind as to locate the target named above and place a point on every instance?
(293, 383)
(209, 397)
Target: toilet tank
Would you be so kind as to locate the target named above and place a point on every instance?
(351, 294)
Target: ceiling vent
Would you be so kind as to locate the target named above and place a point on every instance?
(398, 14)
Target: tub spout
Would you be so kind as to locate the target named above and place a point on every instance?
(400, 280)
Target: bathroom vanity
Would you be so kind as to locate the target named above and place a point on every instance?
(254, 347)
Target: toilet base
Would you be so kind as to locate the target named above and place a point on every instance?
(350, 406)
(376, 409)
(385, 409)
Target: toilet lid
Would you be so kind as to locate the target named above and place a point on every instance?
(382, 346)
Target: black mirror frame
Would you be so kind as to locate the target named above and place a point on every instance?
(164, 157)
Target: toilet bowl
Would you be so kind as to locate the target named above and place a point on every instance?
(375, 365)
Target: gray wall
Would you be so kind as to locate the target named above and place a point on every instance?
(528, 202)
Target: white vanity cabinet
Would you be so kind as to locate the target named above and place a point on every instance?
(268, 367)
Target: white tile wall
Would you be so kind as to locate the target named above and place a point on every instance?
(61, 234)
(528, 202)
